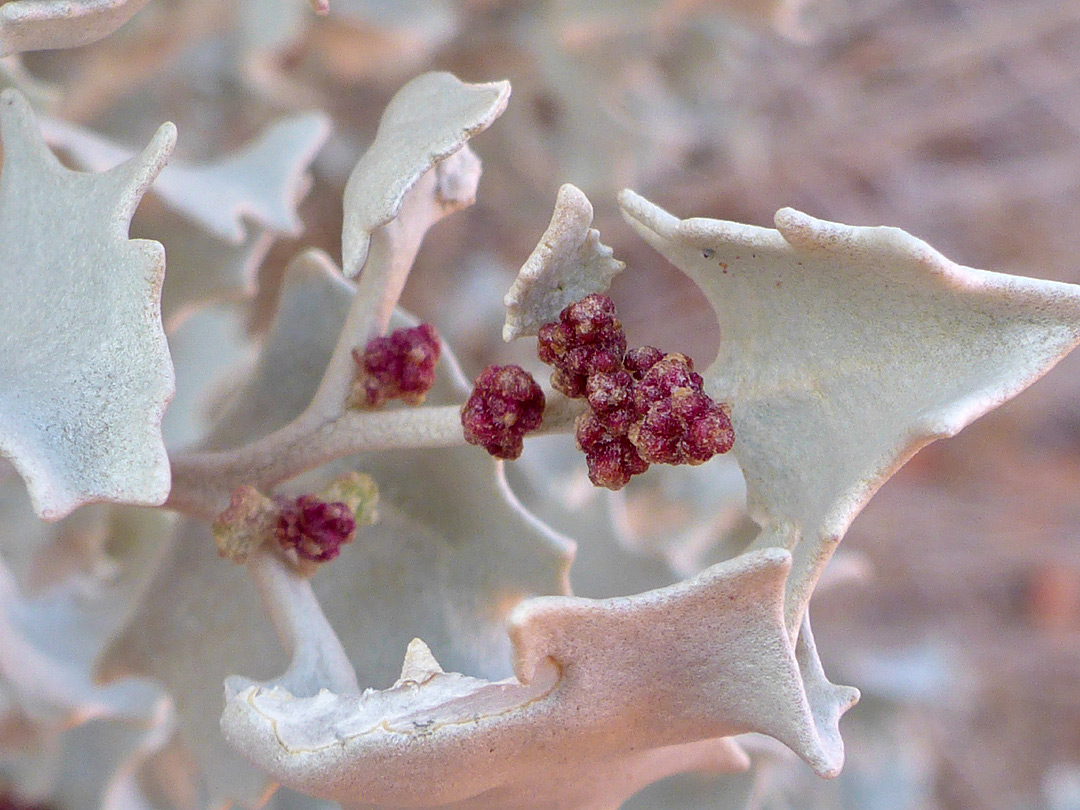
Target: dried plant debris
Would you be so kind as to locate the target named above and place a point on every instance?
(34, 25)
(428, 120)
(569, 263)
(85, 367)
(844, 351)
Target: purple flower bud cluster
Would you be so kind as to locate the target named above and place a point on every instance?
(314, 529)
(506, 403)
(645, 407)
(400, 365)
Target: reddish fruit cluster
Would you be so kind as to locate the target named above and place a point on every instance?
(587, 339)
(314, 529)
(506, 403)
(612, 458)
(398, 366)
(678, 422)
(645, 407)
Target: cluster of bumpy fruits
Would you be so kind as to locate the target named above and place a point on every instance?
(400, 365)
(645, 407)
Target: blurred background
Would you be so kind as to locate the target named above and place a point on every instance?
(957, 120)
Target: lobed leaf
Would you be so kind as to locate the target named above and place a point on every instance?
(450, 557)
(429, 119)
(577, 727)
(262, 182)
(843, 351)
(84, 367)
(568, 263)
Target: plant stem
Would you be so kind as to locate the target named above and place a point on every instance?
(202, 481)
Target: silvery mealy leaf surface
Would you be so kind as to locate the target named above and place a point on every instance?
(35, 25)
(429, 119)
(207, 348)
(843, 351)
(85, 373)
(567, 264)
(450, 558)
(607, 696)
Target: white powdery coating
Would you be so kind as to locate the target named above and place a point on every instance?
(85, 373)
(845, 350)
(37, 25)
(567, 264)
(602, 686)
(449, 558)
(429, 119)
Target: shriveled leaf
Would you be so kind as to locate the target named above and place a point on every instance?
(594, 681)
(262, 182)
(429, 119)
(450, 557)
(36, 25)
(567, 264)
(84, 367)
(843, 351)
